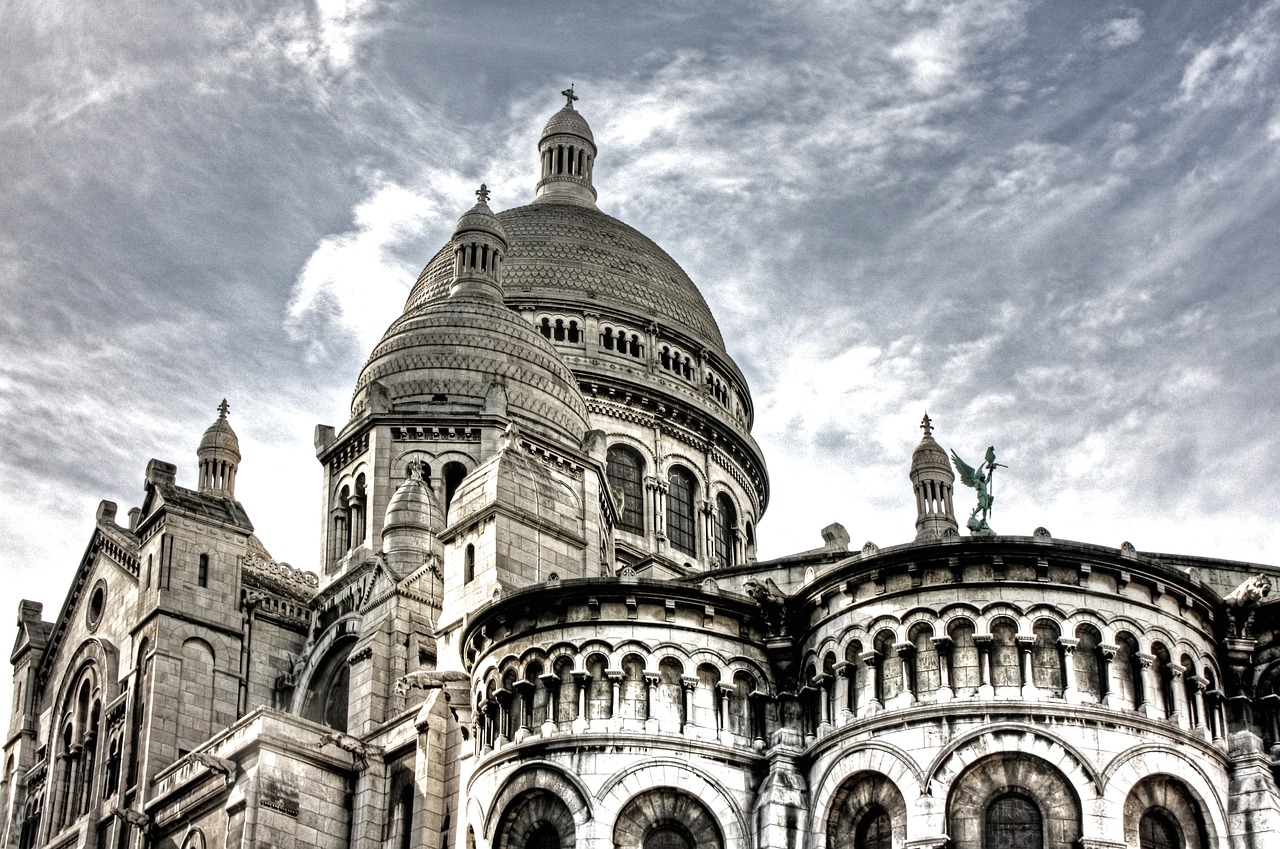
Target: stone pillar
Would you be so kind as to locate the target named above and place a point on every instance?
(1030, 692)
(986, 685)
(1070, 692)
(1152, 699)
(845, 690)
(822, 684)
(1179, 695)
(871, 659)
(687, 685)
(551, 683)
(650, 721)
(525, 690)
(1216, 720)
(724, 695)
(943, 646)
(503, 697)
(1201, 721)
(1106, 675)
(581, 681)
(615, 695)
(905, 652)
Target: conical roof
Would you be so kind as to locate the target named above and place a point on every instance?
(219, 439)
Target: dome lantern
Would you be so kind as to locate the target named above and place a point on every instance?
(568, 154)
(479, 247)
(219, 456)
(932, 479)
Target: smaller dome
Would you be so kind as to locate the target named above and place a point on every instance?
(412, 507)
(929, 455)
(568, 121)
(480, 218)
(220, 439)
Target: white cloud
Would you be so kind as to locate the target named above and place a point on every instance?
(1231, 69)
(1118, 32)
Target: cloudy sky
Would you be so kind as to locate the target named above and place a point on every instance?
(1051, 225)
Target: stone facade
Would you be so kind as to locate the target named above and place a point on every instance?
(537, 619)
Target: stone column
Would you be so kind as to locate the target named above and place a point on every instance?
(650, 721)
(822, 683)
(581, 681)
(725, 694)
(1030, 692)
(687, 685)
(1152, 696)
(706, 543)
(845, 684)
(1201, 724)
(1069, 690)
(615, 677)
(503, 697)
(905, 651)
(1106, 675)
(1179, 695)
(986, 683)
(1216, 725)
(551, 683)
(525, 691)
(943, 646)
(871, 659)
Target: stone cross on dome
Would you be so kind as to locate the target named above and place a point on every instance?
(482, 193)
(926, 425)
(569, 95)
(223, 409)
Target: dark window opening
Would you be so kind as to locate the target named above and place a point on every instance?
(1013, 822)
(680, 511)
(625, 472)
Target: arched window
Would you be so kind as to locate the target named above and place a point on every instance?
(625, 472)
(1013, 822)
(668, 836)
(327, 695)
(1156, 830)
(453, 474)
(874, 831)
(469, 564)
(202, 572)
(725, 528)
(680, 515)
(544, 836)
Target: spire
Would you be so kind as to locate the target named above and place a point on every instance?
(568, 153)
(479, 247)
(932, 480)
(219, 456)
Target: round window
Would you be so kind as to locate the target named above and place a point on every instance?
(97, 604)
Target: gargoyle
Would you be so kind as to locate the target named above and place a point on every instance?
(772, 601)
(137, 819)
(225, 766)
(1241, 601)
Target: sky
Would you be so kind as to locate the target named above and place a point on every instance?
(1052, 226)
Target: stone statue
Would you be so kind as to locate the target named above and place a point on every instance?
(1241, 601)
(772, 601)
(979, 479)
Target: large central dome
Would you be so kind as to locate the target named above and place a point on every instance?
(570, 253)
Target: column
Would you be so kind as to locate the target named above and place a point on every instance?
(687, 683)
(615, 677)
(1201, 725)
(1215, 698)
(943, 646)
(845, 690)
(651, 680)
(986, 689)
(905, 652)
(1152, 701)
(1179, 695)
(871, 659)
(1105, 675)
(581, 681)
(525, 690)
(1069, 689)
(503, 697)
(1025, 644)
(725, 694)
(822, 682)
(551, 683)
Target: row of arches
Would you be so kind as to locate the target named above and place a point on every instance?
(598, 691)
(671, 506)
(560, 329)
(1051, 659)
(660, 818)
(566, 160)
(1013, 801)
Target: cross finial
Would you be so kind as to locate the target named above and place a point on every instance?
(926, 425)
(569, 95)
(415, 469)
(223, 409)
(482, 193)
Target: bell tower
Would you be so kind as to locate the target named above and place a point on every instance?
(932, 480)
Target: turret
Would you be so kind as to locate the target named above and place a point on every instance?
(479, 247)
(219, 457)
(568, 152)
(932, 480)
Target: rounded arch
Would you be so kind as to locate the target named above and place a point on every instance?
(1173, 804)
(1200, 774)
(630, 783)
(1017, 740)
(529, 784)
(325, 697)
(977, 794)
(536, 820)
(666, 809)
(856, 805)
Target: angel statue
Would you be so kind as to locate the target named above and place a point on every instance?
(979, 479)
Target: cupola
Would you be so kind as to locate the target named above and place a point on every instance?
(932, 479)
(411, 523)
(479, 247)
(568, 153)
(219, 457)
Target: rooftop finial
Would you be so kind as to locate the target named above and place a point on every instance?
(482, 193)
(926, 425)
(415, 469)
(223, 409)
(569, 95)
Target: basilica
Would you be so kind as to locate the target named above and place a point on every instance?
(537, 619)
